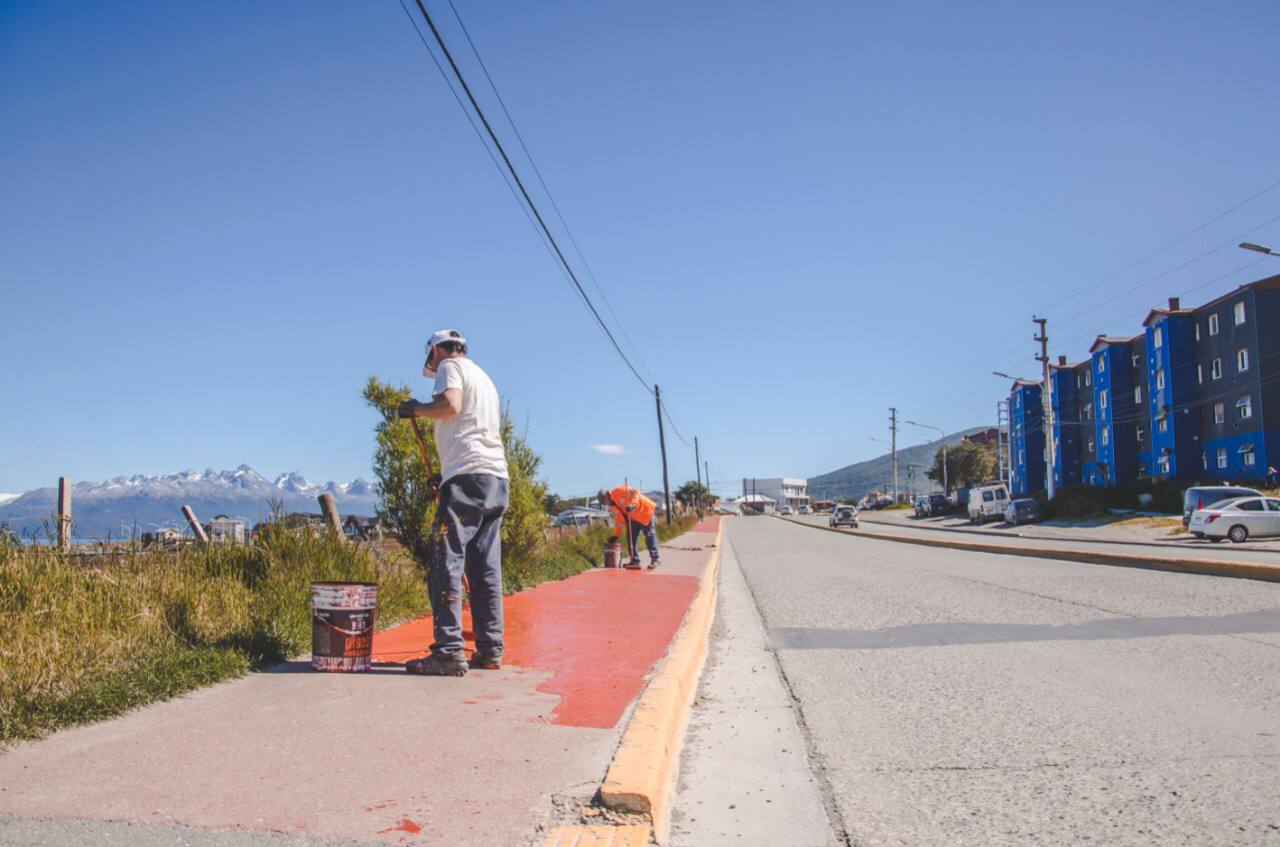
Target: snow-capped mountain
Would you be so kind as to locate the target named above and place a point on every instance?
(149, 502)
(5, 498)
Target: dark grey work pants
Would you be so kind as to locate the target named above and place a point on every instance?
(467, 537)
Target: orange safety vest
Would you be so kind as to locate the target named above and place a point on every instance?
(642, 508)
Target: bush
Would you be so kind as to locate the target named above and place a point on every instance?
(1078, 502)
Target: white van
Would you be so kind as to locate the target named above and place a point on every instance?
(987, 502)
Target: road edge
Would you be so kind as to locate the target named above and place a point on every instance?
(1202, 567)
(641, 776)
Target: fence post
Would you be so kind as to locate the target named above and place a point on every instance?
(330, 510)
(194, 523)
(64, 513)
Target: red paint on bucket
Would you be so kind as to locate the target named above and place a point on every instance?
(343, 615)
(599, 633)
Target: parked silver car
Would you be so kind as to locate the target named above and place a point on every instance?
(1238, 519)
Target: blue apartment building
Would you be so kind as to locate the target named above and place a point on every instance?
(1026, 439)
(1195, 396)
(1068, 444)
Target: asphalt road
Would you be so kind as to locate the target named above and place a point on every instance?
(1258, 553)
(957, 698)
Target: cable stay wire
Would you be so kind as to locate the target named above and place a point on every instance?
(528, 200)
(1160, 250)
(550, 197)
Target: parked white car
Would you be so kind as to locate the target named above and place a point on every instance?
(844, 516)
(1239, 519)
(784, 510)
(987, 502)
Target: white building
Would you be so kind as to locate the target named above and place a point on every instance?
(225, 530)
(791, 492)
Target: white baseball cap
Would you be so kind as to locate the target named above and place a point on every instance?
(442, 336)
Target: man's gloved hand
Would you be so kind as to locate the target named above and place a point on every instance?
(407, 409)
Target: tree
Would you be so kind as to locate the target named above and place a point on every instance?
(968, 463)
(408, 504)
(693, 494)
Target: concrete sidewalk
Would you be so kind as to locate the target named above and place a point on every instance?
(382, 757)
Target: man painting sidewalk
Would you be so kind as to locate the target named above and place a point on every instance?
(634, 514)
(473, 499)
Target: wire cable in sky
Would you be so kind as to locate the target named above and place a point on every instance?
(546, 231)
(537, 172)
(1160, 250)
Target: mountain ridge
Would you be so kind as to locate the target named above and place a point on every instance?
(116, 507)
(861, 478)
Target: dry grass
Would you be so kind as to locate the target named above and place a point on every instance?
(91, 637)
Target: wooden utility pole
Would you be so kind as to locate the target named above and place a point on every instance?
(329, 508)
(697, 466)
(194, 523)
(662, 443)
(893, 444)
(64, 513)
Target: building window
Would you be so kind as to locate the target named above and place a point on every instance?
(1197, 339)
(1222, 458)
(1136, 358)
(1162, 424)
(1242, 359)
(1239, 313)
(1215, 369)
(1022, 457)
(1160, 380)
(1139, 432)
(1250, 458)
(1244, 408)
(1102, 400)
(1090, 445)
(1158, 338)
(1102, 363)
(1213, 324)
(1106, 436)
(1137, 394)
(1164, 464)
(1088, 378)
(1204, 459)
(1200, 374)
(1088, 411)
(1219, 413)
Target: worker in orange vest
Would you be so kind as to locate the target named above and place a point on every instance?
(634, 513)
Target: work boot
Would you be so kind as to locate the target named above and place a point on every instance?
(437, 666)
(633, 565)
(484, 660)
(653, 563)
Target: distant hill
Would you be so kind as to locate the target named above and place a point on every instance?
(861, 478)
(112, 509)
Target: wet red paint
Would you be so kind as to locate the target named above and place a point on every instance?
(405, 825)
(711, 524)
(599, 633)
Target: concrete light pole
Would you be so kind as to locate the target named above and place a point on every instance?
(942, 432)
(1046, 399)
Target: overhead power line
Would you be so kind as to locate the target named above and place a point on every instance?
(542, 225)
(1160, 250)
(537, 172)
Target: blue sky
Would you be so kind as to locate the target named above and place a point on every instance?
(217, 221)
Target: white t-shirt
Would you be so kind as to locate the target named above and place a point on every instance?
(470, 441)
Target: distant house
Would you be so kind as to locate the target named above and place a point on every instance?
(361, 528)
(986, 436)
(225, 530)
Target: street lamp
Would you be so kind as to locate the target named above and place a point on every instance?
(1258, 248)
(943, 433)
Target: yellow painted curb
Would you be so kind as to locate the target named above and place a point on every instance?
(1204, 567)
(632, 835)
(642, 774)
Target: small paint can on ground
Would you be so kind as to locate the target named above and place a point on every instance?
(342, 619)
(613, 554)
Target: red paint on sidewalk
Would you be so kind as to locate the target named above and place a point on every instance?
(708, 524)
(599, 633)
